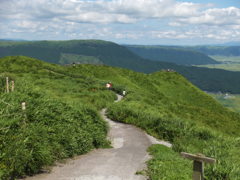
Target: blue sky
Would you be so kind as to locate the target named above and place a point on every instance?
(170, 22)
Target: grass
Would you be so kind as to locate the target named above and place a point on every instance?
(65, 99)
(167, 164)
(168, 107)
(61, 119)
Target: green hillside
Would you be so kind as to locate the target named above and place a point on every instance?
(167, 106)
(175, 55)
(62, 118)
(103, 52)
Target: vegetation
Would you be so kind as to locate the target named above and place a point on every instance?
(61, 119)
(217, 50)
(231, 63)
(98, 52)
(168, 107)
(164, 163)
(79, 59)
(175, 55)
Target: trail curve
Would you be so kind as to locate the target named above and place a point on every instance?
(121, 162)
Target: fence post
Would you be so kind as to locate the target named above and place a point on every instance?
(24, 113)
(198, 164)
(23, 106)
(7, 85)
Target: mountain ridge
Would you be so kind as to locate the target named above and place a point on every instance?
(115, 55)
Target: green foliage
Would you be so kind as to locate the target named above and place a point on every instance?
(62, 104)
(167, 164)
(61, 119)
(167, 106)
(46, 131)
(79, 59)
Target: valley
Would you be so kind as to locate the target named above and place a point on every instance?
(231, 101)
(230, 63)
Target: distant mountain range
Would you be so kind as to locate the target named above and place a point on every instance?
(104, 52)
(12, 39)
(233, 43)
(217, 50)
(175, 55)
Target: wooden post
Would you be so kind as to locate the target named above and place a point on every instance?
(23, 106)
(24, 113)
(12, 89)
(7, 85)
(198, 172)
(198, 164)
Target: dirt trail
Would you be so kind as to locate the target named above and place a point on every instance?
(118, 163)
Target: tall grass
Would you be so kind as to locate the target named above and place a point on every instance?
(61, 117)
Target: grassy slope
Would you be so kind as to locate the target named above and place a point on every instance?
(177, 97)
(61, 119)
(165, 104)
(175, 55)
(169, 107)
(118, 56)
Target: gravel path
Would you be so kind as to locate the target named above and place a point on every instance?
(118, 163)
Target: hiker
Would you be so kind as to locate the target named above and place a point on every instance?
(109, 85)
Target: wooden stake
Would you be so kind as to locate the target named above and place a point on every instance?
(198, 164)
(198, 172)
(23, 106)
(12, 89)
(7, 85)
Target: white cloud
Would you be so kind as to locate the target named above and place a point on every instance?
(96, 19)
(224, 16)
(116, 11)
(99, 11)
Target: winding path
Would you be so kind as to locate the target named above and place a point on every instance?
(121, 162)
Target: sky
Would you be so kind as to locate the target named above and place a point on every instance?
(163, 22)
